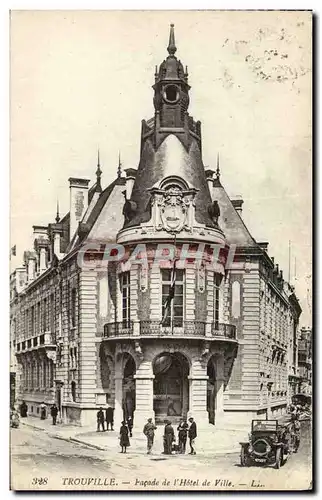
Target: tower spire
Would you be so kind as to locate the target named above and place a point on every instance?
(98, 173)
(218, 169)
(119, 168)
(172, 44)
(57, 219)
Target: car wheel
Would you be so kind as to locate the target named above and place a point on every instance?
(243, 457)
(278, 458)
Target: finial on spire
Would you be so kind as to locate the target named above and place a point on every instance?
(98, 173)
(218, 169)
(119, 168)
(57, 219)
(172, 49)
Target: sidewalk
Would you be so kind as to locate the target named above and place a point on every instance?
(211, 442)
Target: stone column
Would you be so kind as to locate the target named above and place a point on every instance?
(220, 377)
(118, 409)
(198, 399)
(143, 395)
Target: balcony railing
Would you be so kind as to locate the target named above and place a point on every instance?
(122, 328)
(156, 329)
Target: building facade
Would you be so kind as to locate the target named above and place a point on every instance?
(91, 326)
(305, 361)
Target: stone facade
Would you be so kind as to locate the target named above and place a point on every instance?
(84, 333)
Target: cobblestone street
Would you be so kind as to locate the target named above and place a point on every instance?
(46, 463)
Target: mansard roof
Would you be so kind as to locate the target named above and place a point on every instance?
(230, 221)
(170, 159)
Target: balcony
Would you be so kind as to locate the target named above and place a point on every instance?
(46, 340)
(148, 329)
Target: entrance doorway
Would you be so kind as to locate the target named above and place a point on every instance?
(128, 390)
(211, 390)
(170, 387)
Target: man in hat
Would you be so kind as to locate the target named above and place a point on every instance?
(192, 433)
(100, 419)
(148, 431)
(168, 438)
(182, 435)
(109, 417)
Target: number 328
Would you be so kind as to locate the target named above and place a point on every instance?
(41, 481)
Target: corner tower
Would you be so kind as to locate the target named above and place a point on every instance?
(170, 159)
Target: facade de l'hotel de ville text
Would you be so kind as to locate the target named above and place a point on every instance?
(207, 338)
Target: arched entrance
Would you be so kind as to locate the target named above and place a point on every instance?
(128, 387)
(211, 390)
(170, 386)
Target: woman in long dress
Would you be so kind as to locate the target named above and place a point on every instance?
(124, 437)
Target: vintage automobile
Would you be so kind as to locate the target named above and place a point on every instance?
(271, 442)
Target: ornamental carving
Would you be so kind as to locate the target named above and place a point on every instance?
(173, 209)
(201, 278)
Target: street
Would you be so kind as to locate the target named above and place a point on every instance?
(46, 463)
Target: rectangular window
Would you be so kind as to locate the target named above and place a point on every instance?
(52, 313)
(176, 312)
(126, 310)
(38, 318)
(44, 315)
(73, 308)
(32, 320)
(217, 281)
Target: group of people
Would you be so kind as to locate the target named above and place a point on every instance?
(108, 418)
(43, 411)
(185, 430)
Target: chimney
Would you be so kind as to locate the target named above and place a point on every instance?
(237, 202)
(263, 245)
(41, 243)
(130, 178)
(30, 259)
(21, 275)
(78, 201)
(210, 181)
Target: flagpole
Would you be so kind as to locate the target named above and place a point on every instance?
(174, 263)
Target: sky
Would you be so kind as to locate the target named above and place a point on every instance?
(82, 80)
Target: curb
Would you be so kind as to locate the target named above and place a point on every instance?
(95, 446)
(100, 448)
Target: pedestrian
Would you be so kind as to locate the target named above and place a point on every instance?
(54, 413)
(182, 435)
(192, 433)
(23, 409)
(42, 411)
(168, 438)
(130, 425)
(109, 417)
(124, 437)
(148, 431)
(100, 419)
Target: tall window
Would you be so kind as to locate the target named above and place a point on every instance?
(44, 316)
(38, 318)
(73, 306)
(52, 313)
(235, 307)
(33, 320)
(73, 391)
(126, 310)
(217, 281)
(176, 311)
